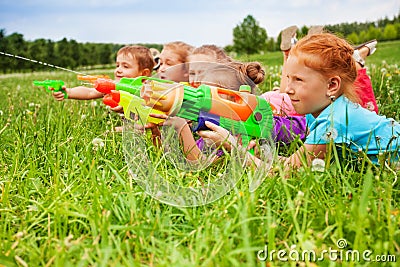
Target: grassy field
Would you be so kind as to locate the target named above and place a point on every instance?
(66, 198)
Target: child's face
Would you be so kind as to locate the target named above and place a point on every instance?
(171, 68)
(126, 67)
(307, 88)
(198, 64)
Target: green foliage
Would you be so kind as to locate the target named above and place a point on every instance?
(249, 37)
(390, 32)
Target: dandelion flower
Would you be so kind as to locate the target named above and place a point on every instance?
(332, 134)
(318, 165)
(98, 142)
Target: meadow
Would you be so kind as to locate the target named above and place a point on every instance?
(67, 199)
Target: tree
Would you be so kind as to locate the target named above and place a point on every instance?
(390, 32)
(353, 38)
(249, 37)
(373, 33)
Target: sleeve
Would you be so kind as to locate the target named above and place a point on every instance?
(286, 129)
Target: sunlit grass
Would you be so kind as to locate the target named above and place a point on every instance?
(67, 198)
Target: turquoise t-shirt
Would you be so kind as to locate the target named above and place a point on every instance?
(345, 122)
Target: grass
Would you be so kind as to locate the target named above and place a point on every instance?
(67, 199)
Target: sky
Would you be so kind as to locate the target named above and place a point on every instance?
(196, 22)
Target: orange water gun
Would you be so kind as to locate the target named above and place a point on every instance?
(92, 78)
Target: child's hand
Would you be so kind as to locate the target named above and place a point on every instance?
(59, 96)
(177, 122)
(118, 109)
(219, 136)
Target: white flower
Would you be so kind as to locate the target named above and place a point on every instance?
(332, 134)
(98, 142)
(31, 104)
(370, 106)
(318, 165)
(93, 103)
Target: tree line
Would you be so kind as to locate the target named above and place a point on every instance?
(64, 53)
(248, 38)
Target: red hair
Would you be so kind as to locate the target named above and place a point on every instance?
(331, 56)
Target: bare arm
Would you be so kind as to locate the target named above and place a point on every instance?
(305, 155)
(190, 148)
(79, 93)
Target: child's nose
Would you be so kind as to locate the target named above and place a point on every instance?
(161, 68)
(288, 89)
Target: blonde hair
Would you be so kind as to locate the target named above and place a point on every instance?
(142, 55)
(213, 51)
(181, 49)
(238, 73)
(330, 55)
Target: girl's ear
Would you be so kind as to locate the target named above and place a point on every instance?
(146, 72)
(334, 86)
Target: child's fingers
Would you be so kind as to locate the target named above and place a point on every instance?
(252, 144)
(217, 128)
(59, 96)
(118, 109)
(158, 116)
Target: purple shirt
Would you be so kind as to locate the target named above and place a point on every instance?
(286, 129)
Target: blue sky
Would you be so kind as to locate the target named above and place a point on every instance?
(196, 22)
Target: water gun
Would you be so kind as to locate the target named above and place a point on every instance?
(127, 95)
(92, 78)
(52, 86)
(239, 112)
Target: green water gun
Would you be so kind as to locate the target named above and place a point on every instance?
(52, 86)
(126, 93)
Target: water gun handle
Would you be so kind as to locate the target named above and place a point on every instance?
(201, 126)
(52, 85)
(112, 99)
(104, 86)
